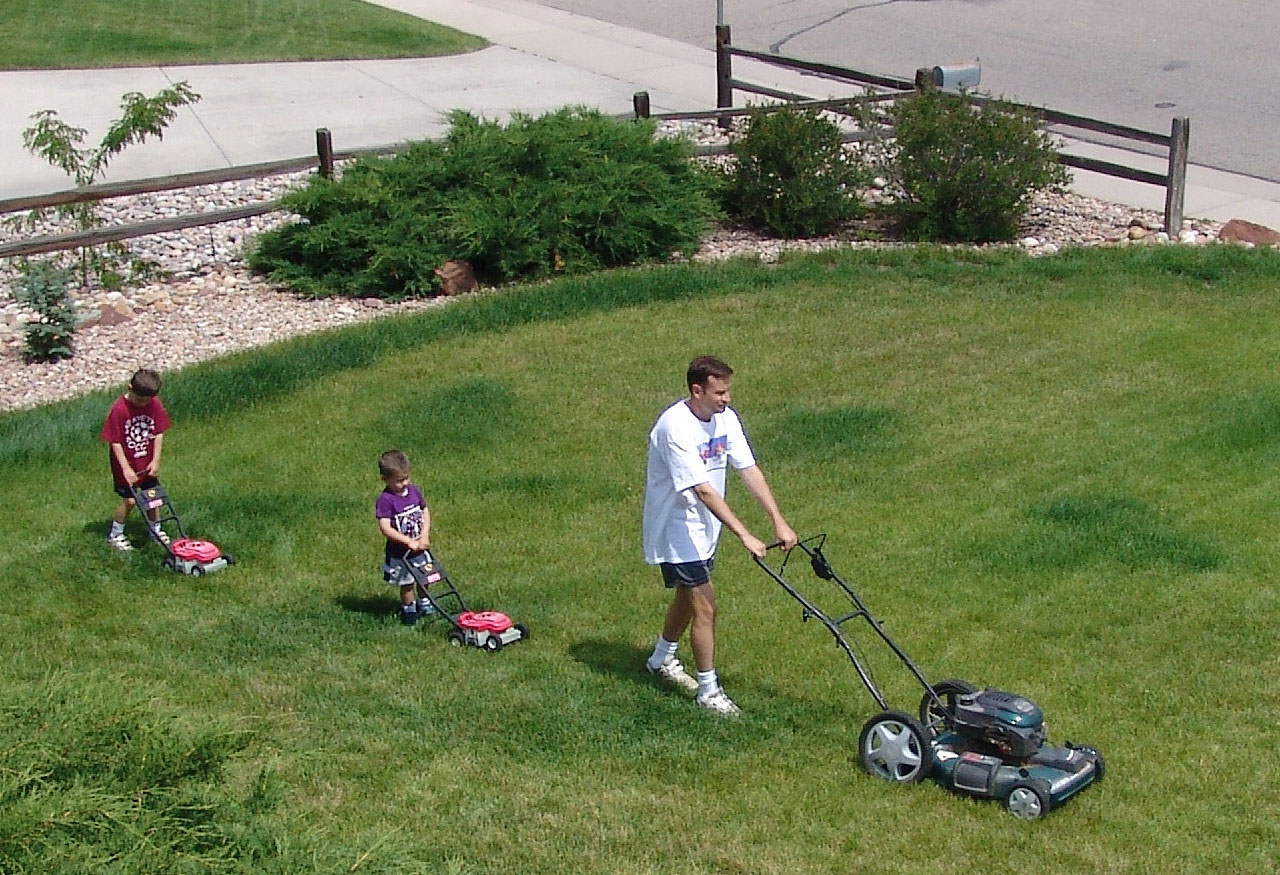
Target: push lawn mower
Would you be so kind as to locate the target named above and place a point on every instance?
(185, 555)
(985, 743)
(488, 630)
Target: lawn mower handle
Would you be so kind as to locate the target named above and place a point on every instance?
(821, 568)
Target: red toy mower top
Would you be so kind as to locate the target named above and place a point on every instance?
(487, 621)
(194, 550)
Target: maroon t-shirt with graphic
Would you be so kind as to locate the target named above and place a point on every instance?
(134, 428)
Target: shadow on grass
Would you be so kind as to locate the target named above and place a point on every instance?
(613, 659)
(372, 606)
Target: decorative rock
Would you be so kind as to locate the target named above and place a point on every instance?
(110, 315)
(1137, 232)
(1028, 243)
(456, 277)
(1240, 231)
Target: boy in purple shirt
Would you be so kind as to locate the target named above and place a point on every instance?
(404, 520)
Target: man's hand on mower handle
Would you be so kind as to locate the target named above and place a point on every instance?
(786, 536)
(754, 545)
(785, 543)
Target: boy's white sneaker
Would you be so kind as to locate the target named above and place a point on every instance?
(162, 537)
(119, 542)
(674, 672)
(718, 701)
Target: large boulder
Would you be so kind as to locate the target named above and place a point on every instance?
(1240, 231)
(456, 277)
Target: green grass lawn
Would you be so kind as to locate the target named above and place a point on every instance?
(39, 34)
(1060, 477)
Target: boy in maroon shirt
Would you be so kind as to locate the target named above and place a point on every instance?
(135, 428)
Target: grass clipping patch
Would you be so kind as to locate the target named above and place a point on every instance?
(1083, 531)
(93, 775)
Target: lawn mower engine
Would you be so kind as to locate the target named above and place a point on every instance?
(1009, 723)
(995, 745)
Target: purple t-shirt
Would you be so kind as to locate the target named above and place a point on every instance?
(405, 513)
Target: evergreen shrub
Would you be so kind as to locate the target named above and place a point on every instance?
(792, 175)
(967, 174)
(567, 192)
(44, 290)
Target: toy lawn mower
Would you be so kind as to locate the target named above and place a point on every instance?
(185, 555)
(985, 743)
(488, 630)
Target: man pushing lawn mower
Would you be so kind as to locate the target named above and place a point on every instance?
(690, 448)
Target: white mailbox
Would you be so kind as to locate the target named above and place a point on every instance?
(956, 76)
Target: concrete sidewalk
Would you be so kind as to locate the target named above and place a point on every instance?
(540, 59)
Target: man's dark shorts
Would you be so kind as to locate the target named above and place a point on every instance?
(676, 574)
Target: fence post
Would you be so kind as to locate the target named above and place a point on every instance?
(640, 104)
(724, 72)
(324, 152)
(924, 79)
(1175, 191)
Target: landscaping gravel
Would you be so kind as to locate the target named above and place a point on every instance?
(209, 304)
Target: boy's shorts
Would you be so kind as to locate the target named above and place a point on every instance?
(396, 574)
(676, 574)
(123, 491)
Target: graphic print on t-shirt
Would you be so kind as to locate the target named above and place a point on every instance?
(138, 431)
(714, 450)
(409, 521)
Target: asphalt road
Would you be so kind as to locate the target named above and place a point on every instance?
(1138, 63)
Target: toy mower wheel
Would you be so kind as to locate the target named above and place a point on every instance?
(523, 630)
(493, 643)
(231, 560)
(893, 746)
(197, 571)
(936, 719)
(1028, 800)
(456, 639)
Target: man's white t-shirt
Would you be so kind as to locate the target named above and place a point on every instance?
(683, 452)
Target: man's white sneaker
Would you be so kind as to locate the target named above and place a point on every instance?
(119, 542)
(719, 702)
(674, 672)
